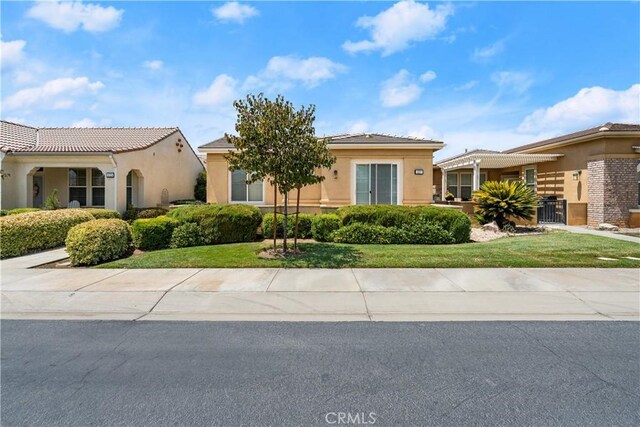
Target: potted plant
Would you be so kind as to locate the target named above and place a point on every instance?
(449, 197)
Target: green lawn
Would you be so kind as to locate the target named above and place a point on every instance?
(548, 250)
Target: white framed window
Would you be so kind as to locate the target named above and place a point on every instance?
(78, 185)
(376, 182)
(530, 178)
(460, 184)
(483, 177)
(241, 191)
(452, 183)
(97, 187)
(466, 185)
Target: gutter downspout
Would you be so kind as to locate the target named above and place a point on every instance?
(115, 181)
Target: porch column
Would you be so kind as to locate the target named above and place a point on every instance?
(476, 175)
(444, 184)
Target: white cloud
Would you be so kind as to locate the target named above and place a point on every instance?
(57, 94)
(222, 91)
(155, 64)
(399, 90)
(84, 123)
(512, 81)
(428, 76)
(69, 16)
(284, 71)
(359, 126)
(466, 86)
(488, 52)
(396, 28)
(234, 12)
(12, 53)
(589, 107)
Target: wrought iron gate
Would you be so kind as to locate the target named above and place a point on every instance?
(552, 211)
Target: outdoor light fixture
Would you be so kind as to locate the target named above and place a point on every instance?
(335, 174)
(419, 172)
(576, 175)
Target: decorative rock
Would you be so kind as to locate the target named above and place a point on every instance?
(492, 226)
(607, 227)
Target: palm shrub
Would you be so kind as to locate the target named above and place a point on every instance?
(500, 200)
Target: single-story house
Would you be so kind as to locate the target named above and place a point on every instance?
(369, 169)
(583, 178)
(95, 167)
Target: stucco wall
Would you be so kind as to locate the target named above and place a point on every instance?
(337, 188)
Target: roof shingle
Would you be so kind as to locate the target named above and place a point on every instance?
(25, 139)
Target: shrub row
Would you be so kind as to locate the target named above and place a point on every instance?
(98, 241)
(324, 226)
(103, 213)
(153, 233)
(131, 214)
(39, 230)
(18, 211)
(455, 222)
(418, 233)
(304, 226)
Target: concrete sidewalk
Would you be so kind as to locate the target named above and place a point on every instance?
(321, 294)
(600, 233)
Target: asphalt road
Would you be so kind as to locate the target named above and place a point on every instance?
(242, 373)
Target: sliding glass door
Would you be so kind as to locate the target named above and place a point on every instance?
(376, 184)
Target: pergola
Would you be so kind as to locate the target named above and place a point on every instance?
(489, 160)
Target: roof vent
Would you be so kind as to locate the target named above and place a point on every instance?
(603, 129)
(465, 150)
(368, 135)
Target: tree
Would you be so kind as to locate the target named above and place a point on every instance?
(200, 189)
(499, 200)
(277, 143)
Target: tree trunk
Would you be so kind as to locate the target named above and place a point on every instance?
(295, 236)
(284, 223)
(275, 217)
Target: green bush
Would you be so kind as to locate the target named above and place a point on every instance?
(3, 212)
(34, 231)
(454, 221)
(426, 233)
(98, 241)
(132, 213)
(22, 210)
(200, 189)
(304, 226)
(365, 234)
(186, 235)
(103, 213)
(153, 233)
(323, 226)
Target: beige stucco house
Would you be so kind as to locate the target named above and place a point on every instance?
(583, 178)
(99, 167)
(369, 169)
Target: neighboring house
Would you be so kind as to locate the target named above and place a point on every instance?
(587, 177)
(369, 169)
(98, 167)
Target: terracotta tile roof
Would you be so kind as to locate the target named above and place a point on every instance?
(607, 127)
(363, 138)
(24, 139)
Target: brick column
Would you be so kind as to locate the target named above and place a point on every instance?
(612, 189)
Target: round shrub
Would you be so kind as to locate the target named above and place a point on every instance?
(323, 226)
(153, 233)
(132, 213)
(103, 213)
(97, 241)
(22, 210)
(39, 230)
(186, 235)
(460, 229)
(3, 212)
(427, 233)
(304, 225)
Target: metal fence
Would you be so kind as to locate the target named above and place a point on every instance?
(552, 211)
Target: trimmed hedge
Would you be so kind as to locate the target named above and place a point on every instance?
(36, 231)
(153, 233)
(103, 213)
(324, 226)
(21, 211)
(421, 233)
(453, 221)
(186, 235)
(131, 214)
(221, 223)
(98, 241)
(304, 226)
(3, 212)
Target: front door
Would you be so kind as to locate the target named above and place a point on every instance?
(377, 184)
(38, 191)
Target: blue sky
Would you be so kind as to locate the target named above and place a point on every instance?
(482, 74)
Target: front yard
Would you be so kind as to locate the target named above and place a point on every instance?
(555, 249)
